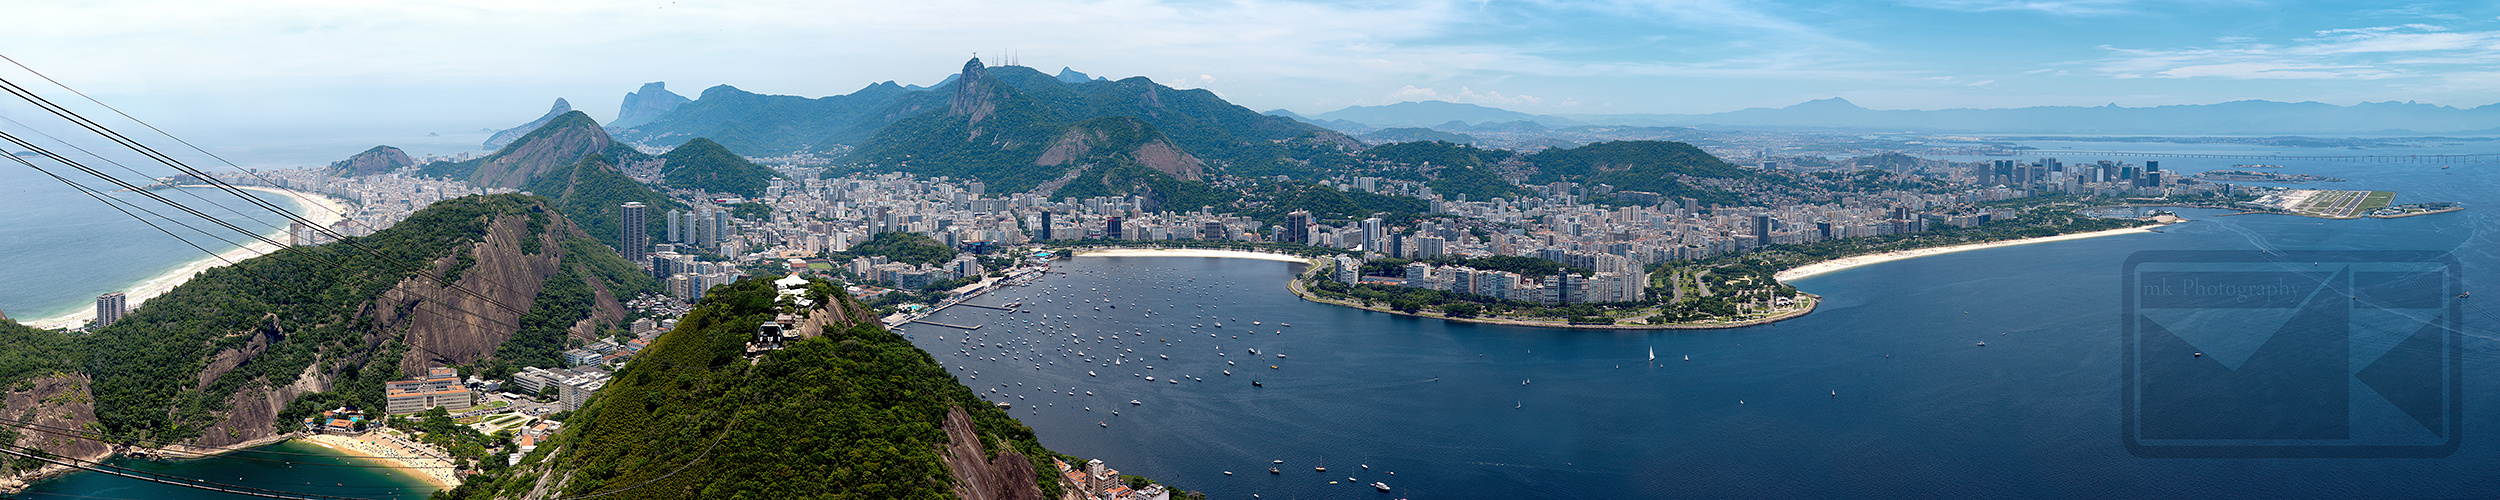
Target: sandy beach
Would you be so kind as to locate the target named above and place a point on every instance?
(1799, 272)
(319, 209)
(391, 450)
(1190, 252)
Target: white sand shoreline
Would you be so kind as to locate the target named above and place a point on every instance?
(1801, 272)
(319, 209)
(383, 448)
(1189, 252)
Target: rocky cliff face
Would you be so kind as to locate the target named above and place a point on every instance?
(379, 160)
(508, 135)
(511, 267)
(1122, 136)
(972, 95)
(1163, 157)
(979, 476)
(442, 327)
(560, 142)
(644, 105)
(59, 401)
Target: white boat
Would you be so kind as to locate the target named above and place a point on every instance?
(1254, 323)
(1133, 402)
(1653, 354)
(1377, 486)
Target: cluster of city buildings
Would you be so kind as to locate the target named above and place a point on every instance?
(574, 386)
(1098, 482)
(1618, 279)
(440, 386)
(375, 201)
(910, 276)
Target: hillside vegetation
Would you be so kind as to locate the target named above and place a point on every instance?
(856, 412)
(707, 166)
(900, 246)
(170, 369)
(1637, 166)
(593, 192)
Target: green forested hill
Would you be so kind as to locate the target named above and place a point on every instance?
(1123, 175)
(1437, 153)
(705, 165)
(563, 140)
(855, 413)
(27, 352)
(900, 246)
(312, 306)
(1638, 166)
(591, 192)
(1476, 183)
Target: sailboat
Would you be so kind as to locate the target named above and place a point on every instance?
(1653, 354)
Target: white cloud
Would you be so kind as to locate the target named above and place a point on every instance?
(2366, 53)
(2061, 8)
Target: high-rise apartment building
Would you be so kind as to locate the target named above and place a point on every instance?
(1298, 227)
(109, 308)
(676, 226)
(634, 233)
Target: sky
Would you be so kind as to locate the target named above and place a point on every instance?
(462, 65)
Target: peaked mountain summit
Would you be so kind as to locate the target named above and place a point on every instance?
(512, 134)
(641, 106)
(560, 141)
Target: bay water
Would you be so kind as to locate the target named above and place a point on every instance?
(1883, 392)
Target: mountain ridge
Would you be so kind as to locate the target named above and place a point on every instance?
(506, 136)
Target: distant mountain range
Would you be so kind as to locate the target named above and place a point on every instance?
(1062, 135)
(1013, 127)
(2229, 118)
(1431, 113)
